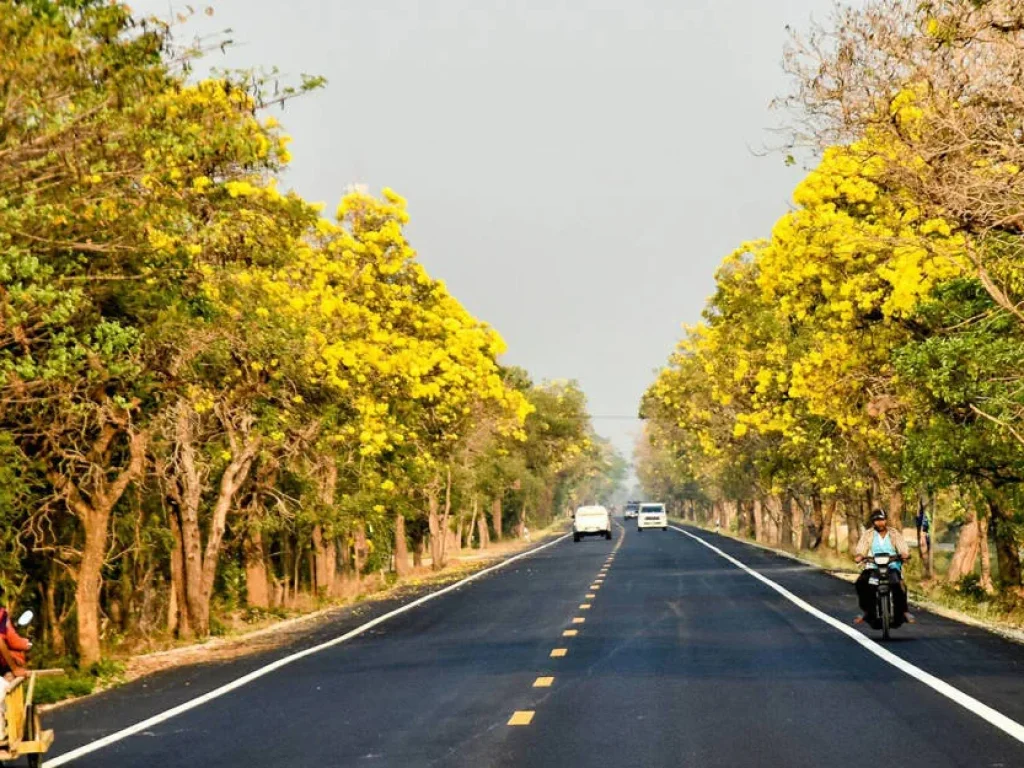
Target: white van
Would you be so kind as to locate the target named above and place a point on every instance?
(591, 521)
(652, 516)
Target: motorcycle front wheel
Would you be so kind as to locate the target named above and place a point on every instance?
(885, 607)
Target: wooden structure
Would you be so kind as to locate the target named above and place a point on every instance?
(24, 733)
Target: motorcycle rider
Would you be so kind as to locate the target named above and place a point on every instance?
(879, 539)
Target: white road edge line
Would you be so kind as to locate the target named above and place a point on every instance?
(985, 712)
(124, 733)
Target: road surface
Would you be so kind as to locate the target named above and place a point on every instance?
(676, 657)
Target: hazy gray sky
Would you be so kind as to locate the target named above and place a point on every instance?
(575, 170)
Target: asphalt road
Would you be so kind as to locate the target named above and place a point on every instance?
(682, 659)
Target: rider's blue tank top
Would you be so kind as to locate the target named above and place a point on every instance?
(884, 546)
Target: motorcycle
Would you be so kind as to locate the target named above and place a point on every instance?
(23, 732)
(885, 606)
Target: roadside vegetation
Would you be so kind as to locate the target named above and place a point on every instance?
(869, 352)
(217, 404)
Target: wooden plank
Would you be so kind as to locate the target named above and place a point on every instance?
(37, 746)
(15, 705)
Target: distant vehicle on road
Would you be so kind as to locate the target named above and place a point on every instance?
(651, 515)
(591, 521)
(631, 509)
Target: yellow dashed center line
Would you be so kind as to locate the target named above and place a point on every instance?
(525, 716)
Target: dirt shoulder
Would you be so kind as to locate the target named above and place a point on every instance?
(271, 635)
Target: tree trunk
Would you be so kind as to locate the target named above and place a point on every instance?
(451, 543)
(966, 553)
(401, 547)
(786, 521)
(324, 547)
(772, 517)
(496, 518)
(231, 481)
(802, 523)
(1007, 547)
(548, 502)
(854, 527)
(186, 487)
(93, 507)
(287, 564)
(833, 531)
(434, 526)
(89, 583)
(177, 615)
(257, 586)
(824, 513)
(362, 550)
(446, 517)
(325, 559)
(481, 527)
(55, 632)
(741, 517)
(816, 528)
(986, 558)
(417, 548)
(758, 515)
(896, 502)
(314, 585)
(471, 528)
(296, 565)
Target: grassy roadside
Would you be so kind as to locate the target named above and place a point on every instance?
(275, 629)
(1002, 616)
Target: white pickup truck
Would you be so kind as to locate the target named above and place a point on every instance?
(591, 521)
